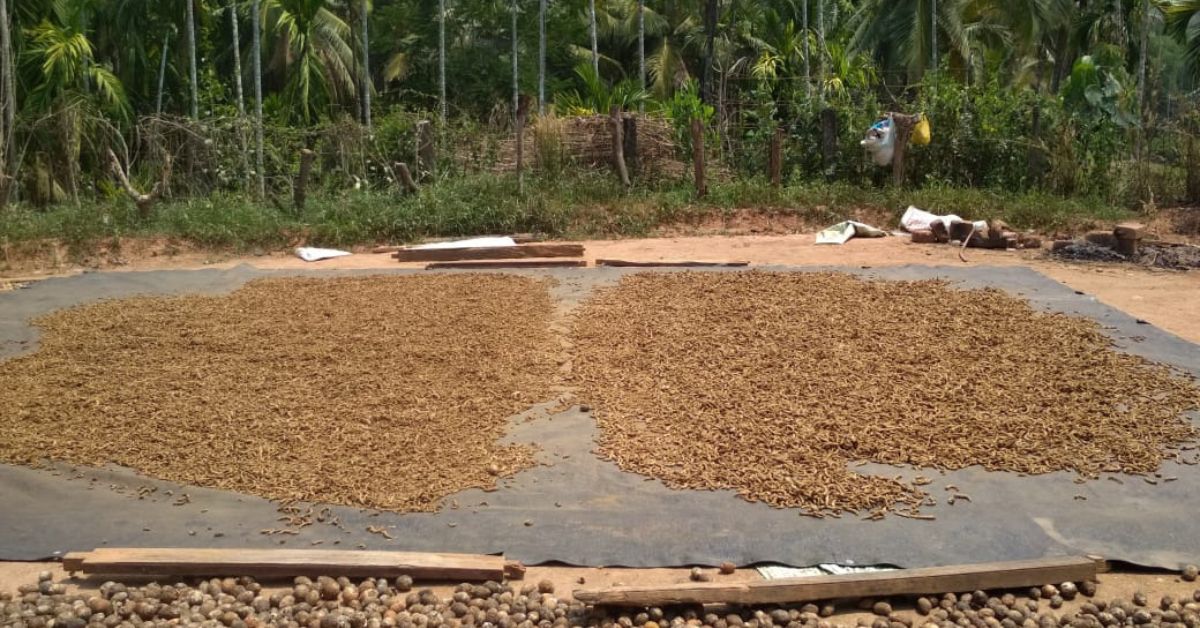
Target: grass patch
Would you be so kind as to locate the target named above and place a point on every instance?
(588, 205)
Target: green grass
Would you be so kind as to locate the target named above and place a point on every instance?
(591, 205)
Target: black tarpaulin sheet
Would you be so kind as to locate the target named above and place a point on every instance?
(580, 510)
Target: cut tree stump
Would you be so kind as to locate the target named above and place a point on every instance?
(404, 178)
(490, 252)
(144, 202)
(259, 563)
(1128, 236)
(929, 580)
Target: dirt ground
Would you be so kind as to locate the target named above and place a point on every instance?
(566, 579)
(1168, 299)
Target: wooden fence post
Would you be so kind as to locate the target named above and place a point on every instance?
(829, 140)
(300, 185)
(426, 157)
(618, 145)
(630, 139)
(1193, 169)
(522, 113)
(775, 159)
(698, 157)
(902, 133)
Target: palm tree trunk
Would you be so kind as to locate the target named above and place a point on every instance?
(237, 58)
(442, 59)
(804, 31)
(821, 51)
(256, 54)
(542, 56)
(191, 37)
(1143, 53)
(9, 105)
(642, 42)
(241, 101)
(516, 93)
(366, 67)
(933, 44)
(162, 73)
(710, 37)
(592, 31)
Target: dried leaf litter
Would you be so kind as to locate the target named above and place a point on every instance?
(383, 392)
(774, 384)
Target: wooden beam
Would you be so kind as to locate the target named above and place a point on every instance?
(519, 238)
(486, 264)
(490, 252)
(620, 263)
(261, 563)
(983, 576)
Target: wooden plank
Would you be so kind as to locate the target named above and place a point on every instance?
(620, 263)
(261, 563)
(485, 264)
(519, 238)
(73, 561)
(490, 252)
(983, 576)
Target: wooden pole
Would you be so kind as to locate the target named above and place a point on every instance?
(902, 133)
(366, 65)
(280, 563)
(162, 72)
(629, 140)
(522, 114)
(256, 55)
(1193, 169)
(829, 140)
(442, 105)
(775, 159)
(618, 144)
(542, 57)
(191, 41)
(698, 157)
(300, 185)
(426, 161)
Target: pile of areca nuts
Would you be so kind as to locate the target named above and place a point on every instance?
(375, 603)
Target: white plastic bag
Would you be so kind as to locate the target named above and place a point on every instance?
(915, 219)
(881, 142)
(311, 254)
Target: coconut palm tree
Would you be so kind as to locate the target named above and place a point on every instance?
(9, 105)
(313, 54)
(901, 33)
(193, 83)
(256, 61)
(1183, 23)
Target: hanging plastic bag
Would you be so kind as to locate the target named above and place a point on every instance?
(922, 133)
(881, 142)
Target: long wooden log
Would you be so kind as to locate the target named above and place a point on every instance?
(518, 263)
(982, 576)
(262, 563)
(490, 252)
(621, 263)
